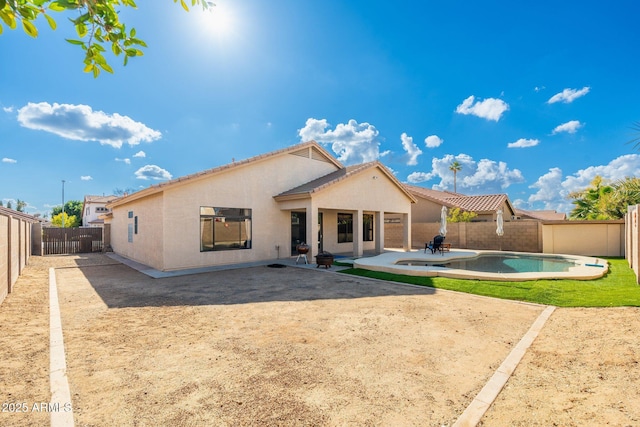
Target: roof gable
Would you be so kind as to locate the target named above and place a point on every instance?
(324, 182)
(310, 149)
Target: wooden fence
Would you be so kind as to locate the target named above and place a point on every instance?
(57, 241)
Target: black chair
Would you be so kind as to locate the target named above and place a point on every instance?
(435, 245)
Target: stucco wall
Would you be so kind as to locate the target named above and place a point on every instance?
(4, 257)
(147, 244)
(595, 238)
(15, 248)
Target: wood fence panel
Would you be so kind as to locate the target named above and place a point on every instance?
(58, 241)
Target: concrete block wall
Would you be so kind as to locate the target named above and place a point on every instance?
(15, 247)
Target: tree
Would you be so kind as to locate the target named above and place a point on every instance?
(97, 24)
(71, 208)
(595, 202)
(70, 221)
(20, 205)
(459, 215)
(455, 167)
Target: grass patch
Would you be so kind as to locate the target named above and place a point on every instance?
(617, 288)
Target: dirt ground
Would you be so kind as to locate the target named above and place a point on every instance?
(298, 347)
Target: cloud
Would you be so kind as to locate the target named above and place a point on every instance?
(523, 143)
(476, 177)
(8, 160)
(433, 141)
(153, 172)
(569, 127)
(353, 142)
(417, 177)
(7, 109)
(140, 154)
(553, 188)
(490, 108)
(125, 161)
(567, 96)
(86, 178)
(412, 149)
(81, 123)
(539, 88)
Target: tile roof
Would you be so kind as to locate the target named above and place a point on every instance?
(99, 199)
(482, 203)
(544, 215)
(318, 152)
(323, 182)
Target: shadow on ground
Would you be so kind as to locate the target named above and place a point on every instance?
(120, 286)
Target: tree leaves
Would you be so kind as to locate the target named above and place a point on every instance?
(98, 24)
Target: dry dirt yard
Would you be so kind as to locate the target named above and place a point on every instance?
(299, 347)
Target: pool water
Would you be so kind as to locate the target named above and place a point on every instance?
(502, 264)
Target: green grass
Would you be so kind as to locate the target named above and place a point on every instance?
(618, 288)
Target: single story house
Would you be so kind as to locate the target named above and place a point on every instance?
(260, 209)
(430, 202)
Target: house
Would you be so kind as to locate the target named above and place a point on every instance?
(260, 209)
(92, 208)
(541, 215)
(429, 204)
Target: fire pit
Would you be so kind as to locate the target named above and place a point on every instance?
(324, 258)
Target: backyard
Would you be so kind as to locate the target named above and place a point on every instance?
(291, 346)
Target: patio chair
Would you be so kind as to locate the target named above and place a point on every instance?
(435, 245)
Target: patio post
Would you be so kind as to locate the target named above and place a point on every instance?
(357, 234)
(378, 232)
(406, 228)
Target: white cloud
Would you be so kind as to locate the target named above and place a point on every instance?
(569, 127)
(353, 142)
(433, 141)
(86, 178)
(490, 108)
(416, 177)
(553, 188)
(523, 143)
(125, 161)
(140, 154)
(476, 177)
(569, 95)
(539, 88)
(7, 109)
(8, 160)
(153, 172)
(412, 149)
(81, 123)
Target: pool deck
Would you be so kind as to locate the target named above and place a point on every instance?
(589, 267)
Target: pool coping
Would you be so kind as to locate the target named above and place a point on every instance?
(589, 268)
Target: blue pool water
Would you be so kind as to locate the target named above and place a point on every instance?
(499, 263)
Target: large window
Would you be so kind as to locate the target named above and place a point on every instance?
(345, 228)
(224, 229)
(367, 227)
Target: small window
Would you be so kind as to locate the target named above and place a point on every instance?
(224, 229)
(130, 233)
(345, 228)
(367, 227)
(130, 214)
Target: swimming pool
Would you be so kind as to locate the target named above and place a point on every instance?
(487, 265)
(502, 263)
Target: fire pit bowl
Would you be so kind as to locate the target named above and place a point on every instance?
(324, 258)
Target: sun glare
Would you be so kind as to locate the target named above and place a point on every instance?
(217, 21)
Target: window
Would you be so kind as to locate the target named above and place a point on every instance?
(130, 233)
(345, 228)
(367, 227)
(224, 229)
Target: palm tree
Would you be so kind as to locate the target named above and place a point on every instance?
(455, 166)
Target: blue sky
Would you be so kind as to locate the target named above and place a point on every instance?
(533, 99)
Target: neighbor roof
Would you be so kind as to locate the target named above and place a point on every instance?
(544, 215)
(317, 152)
(481, 203)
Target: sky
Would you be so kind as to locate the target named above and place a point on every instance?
(532, 99)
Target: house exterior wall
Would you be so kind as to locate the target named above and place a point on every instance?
(169, 224)
(91, 213)
(425, 211)
(147, 245)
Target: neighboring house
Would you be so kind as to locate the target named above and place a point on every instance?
(429, 204)
(260, 209)
(543, 215)
(92, 208)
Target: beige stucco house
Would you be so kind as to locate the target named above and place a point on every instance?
(260, 209)
(430, 202)
(93, 207)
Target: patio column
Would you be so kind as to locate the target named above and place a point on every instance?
(406, 235)
(378, 231)
(358, 244)
(312, 231)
